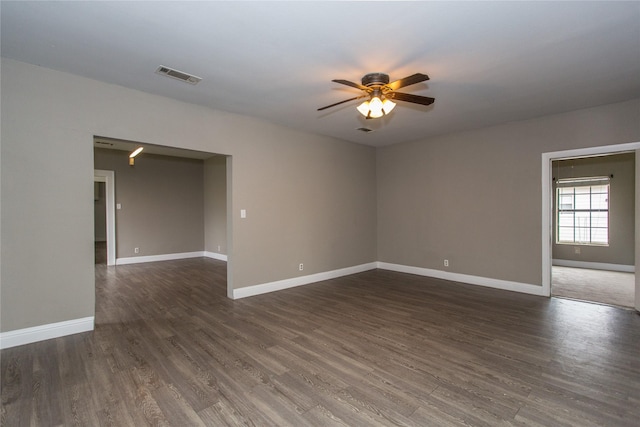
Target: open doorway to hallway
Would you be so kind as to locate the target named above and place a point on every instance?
(593, 257)
(100, 222)
(168, 204)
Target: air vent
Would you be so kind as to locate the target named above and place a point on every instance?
(179, 75)
(109, 144)
(365, 130)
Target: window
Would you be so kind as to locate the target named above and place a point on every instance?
(582, 211)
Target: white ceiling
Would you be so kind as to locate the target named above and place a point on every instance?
(489, 62)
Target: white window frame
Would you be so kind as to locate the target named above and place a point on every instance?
(582, 183)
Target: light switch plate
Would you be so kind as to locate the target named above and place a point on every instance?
(243, 213)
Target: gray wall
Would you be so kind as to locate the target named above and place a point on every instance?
(162, 202)
(474, 198)
(215, 204)
(307, 202)
(309, 198)
(621, 208)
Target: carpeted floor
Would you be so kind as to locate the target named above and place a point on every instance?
(607, 287)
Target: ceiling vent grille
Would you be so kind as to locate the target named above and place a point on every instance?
(179, 75)
(365, 130)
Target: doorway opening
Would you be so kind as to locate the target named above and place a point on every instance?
(171, 203)
(589, 227)
(104, 217)
(593, 229)
(100, 222)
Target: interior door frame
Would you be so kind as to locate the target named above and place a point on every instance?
(547, 194)
(108, 177)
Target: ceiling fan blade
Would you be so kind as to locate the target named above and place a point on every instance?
(416, 99)
(341, 102)
(352, 84)
(408, 81)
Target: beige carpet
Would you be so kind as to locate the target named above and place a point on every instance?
(607, 287)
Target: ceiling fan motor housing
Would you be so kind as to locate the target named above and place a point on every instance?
(375, 79)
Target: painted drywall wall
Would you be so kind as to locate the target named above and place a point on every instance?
(308, 198)
(474, 198)
(621, 249)
(215, 205)
(161, 200)
(47, 220)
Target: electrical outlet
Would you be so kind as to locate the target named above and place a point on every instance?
(446, 263)
(301, 267)
(218, 248)
(136, 250)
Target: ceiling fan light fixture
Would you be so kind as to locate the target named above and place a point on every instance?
(388, 105)
(363, 108)
(380, 92)
(375, 108)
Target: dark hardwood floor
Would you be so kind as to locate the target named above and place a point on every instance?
(376, 348)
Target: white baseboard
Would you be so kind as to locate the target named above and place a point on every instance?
(69, 327)
(45, 332)
(465, 278)
(300, 281)
(170, 257)
(154, 258)
(594, 265)
(215, 255)
(454, 277)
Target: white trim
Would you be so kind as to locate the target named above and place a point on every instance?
(593, 151)
(45, 332)
(279, 285)
(108, 177)
(170, 257)
(438, 274)
(154, 258)
(594, 265)
(215, 255)
(547, 232)
(229, 245)
(465, 278)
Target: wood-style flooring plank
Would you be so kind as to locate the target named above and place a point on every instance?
(374, 348)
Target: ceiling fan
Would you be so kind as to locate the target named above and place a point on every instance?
(380, 92)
